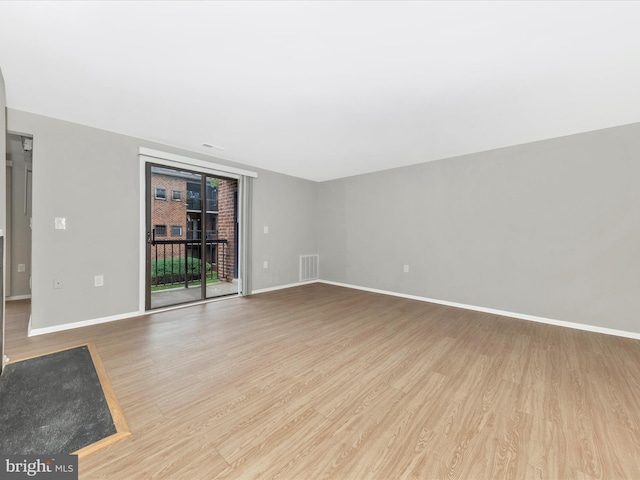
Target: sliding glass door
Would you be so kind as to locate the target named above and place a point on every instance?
(192, 236)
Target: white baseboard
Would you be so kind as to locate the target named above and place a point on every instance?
(521, 316)
(282, 287)
(17, 297)
(85, 323)
(32, 332)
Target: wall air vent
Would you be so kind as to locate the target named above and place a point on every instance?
(309, 267)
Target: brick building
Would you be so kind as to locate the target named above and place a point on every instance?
(168, 206)
(227, 224)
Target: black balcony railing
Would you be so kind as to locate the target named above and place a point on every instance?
(179, 262)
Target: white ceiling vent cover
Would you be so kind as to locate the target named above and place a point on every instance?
(309, 267)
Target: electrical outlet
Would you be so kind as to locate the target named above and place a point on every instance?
(406, 269)
(21, 267)
(98, 281)
(61, 223)
(265, 264)
(57, 283)
(266, 229)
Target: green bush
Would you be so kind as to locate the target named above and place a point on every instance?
(167, 271)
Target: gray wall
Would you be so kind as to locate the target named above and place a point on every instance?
(550, 229)
(91, 177)
(288, 207)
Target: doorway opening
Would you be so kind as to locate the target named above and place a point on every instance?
(19, 204)
(16, 240)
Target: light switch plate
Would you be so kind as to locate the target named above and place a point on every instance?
(61, 223)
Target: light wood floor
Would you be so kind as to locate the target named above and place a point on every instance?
(323, 382)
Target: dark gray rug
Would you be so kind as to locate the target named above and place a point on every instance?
(53, 404)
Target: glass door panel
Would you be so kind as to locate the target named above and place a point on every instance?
(191, 236)
(221, 236)
(174, 253)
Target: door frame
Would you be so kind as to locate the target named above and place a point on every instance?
(156, 157)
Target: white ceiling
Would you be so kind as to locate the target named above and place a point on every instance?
(323, 90)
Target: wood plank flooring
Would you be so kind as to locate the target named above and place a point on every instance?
(323, 382)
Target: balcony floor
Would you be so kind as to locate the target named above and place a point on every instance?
(174, 296)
